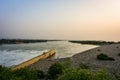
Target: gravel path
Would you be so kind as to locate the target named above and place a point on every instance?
(88, 58)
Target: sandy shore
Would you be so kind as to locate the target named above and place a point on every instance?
(89, 58)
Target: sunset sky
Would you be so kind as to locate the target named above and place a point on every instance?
(60, 19)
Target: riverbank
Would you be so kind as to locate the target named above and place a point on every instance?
(88, 58)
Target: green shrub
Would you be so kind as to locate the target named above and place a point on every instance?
(75, 74)
(20, 74)
(2, 68)
(28, 74)
(83, 74)
(40, 74)
(55, 70)
(101, 75)
(6, 73)
(117, 76)
(66, 65)
(104, 57)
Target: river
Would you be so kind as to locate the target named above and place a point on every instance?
(14, 54)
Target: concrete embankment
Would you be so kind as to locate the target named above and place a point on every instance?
(35, 59)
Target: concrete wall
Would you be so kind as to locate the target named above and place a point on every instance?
(35, 59)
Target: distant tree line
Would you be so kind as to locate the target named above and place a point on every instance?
(95, 42)
(18, 41)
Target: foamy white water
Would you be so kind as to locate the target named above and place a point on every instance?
(14, 54)
(15, 57)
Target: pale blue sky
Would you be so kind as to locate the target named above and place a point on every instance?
(60, 19)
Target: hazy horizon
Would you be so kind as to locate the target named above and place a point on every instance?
(60, 19)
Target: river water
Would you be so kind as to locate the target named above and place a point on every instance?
(14, 54)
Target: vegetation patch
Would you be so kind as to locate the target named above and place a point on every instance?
(104, 57)
(55, 70)
(75, 74)
(83, 74)
(20, 74)
(117, 76)
(66, 65)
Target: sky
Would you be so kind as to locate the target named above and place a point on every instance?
(60, 19)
